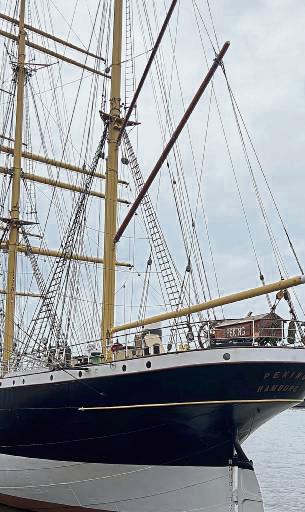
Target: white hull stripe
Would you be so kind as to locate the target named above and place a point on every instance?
(160, 362)
(177, 404)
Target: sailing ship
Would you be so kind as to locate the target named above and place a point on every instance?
(148, 412)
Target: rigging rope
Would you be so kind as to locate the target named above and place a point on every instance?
(46, 311)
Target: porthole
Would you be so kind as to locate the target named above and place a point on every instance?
(23, 381)
(148, 364)
(13, 383)
(51, 377)
(124, 368)
(80, 374)
(226, 356)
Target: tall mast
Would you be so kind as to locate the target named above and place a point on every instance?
(112, 177)
(15, 196)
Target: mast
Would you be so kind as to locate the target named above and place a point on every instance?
(13, 223)
(112, 178)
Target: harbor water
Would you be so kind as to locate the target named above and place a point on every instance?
(278, 452)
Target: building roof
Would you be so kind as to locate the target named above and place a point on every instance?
(251, 318)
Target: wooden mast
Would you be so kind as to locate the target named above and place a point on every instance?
(15, 196)
(112, 178)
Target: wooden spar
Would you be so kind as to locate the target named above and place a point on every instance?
(40, 251)
(55, 163)
(8, 342)
(54, 54)
(58, 184)
(112, 178)
(51, 36)
(147, 68)
(171, 142)
(23, 294)
(214, 303)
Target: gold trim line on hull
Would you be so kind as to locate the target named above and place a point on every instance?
(177, 404)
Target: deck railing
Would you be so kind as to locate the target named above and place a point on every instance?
(186, 336)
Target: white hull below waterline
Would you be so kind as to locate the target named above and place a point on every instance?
(35, 484)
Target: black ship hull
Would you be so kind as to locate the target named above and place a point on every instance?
(182, 410)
